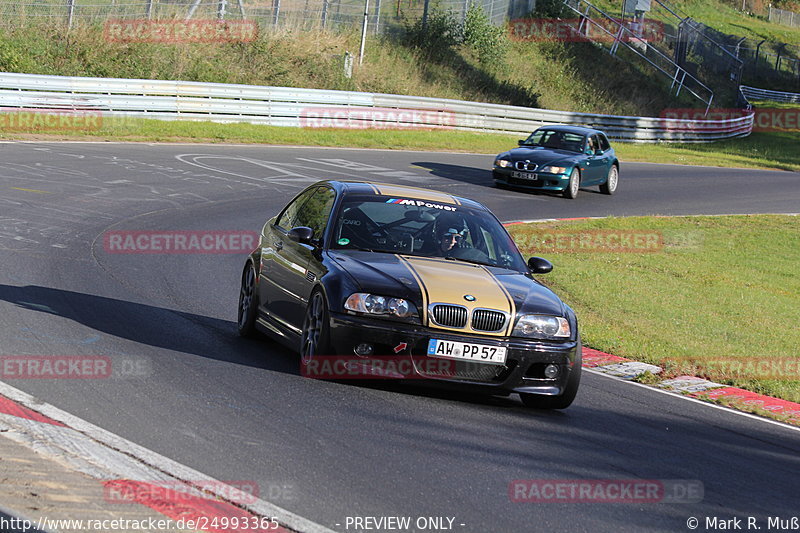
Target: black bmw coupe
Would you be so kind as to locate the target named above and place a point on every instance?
(377, 272)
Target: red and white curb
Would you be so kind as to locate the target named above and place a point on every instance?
(121, 465)
(691, 386)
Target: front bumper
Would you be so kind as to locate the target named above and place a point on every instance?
(523, 370)
(543, 182)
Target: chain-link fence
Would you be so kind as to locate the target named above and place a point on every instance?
(330, 14)
(782, 16)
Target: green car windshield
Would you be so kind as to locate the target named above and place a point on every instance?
(556, 140)
(422, 228)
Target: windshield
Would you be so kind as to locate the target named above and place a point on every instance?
(422, 228)
(556, 140)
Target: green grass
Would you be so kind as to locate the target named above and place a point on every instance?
(720, 288)
(771, 150)
(551, 75)
(724, 16)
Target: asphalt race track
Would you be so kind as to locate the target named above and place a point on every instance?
(186, 386)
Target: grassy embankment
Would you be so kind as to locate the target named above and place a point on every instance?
(550, 75)
(720, 292)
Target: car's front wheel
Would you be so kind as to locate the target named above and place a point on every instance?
(248, 302)
(574, 184)
(316, 329)
(611, 181)
(566, 398)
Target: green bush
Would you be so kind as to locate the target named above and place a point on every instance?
(489, 42)
(10, 59)
(550, 9)
(438, 36)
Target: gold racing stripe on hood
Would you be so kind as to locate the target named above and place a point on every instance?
(448, 282)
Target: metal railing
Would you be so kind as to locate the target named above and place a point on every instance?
(118, 99)
(753, 93)
(620, 34)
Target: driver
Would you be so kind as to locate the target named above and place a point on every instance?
(449, 240)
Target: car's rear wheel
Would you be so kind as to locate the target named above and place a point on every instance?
(574, 184)
(566, 398)
(611, 181)
(316, 329)
(248, 302)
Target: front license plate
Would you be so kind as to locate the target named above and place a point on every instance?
(480, 353)
(524, 175)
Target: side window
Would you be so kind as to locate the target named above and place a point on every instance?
(593, 144)
(604, 144)
(315, 212)
(288, 218)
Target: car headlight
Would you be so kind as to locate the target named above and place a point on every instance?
(542, 326)
(502, 163)
(554, 170)
(372, 304)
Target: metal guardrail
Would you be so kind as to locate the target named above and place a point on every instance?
(753, 93)
(117, 99)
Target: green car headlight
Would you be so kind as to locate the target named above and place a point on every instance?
(502, 163)
(554, 170)
(542, 326)
(373, 304)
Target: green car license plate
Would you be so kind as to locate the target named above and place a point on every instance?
(524, 175)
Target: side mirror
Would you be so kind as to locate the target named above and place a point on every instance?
(301, 234)
(539, 265)
(521, 142)
(598, 152)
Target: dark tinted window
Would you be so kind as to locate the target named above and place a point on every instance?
(557, 140)
(289, 216)
(315, 211)
(423, 228)
(604, 144)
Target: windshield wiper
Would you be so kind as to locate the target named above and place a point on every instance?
(471, 261)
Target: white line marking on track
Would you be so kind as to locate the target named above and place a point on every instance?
(104, 455)
(695, 400)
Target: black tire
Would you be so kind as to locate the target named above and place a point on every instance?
(574, 184)
(315, 339)
(566, 398)
(611, 181)
(248, 303)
